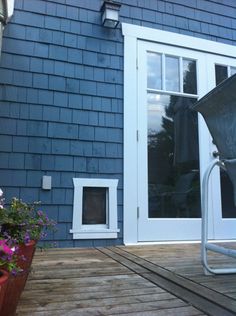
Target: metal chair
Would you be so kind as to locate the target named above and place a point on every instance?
(218, 108)
(205, 245)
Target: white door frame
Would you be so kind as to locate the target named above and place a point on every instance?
(152, 229)
(132, 34)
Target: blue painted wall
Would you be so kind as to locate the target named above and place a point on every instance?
(61, 76)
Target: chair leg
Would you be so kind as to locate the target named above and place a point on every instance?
(205, 245)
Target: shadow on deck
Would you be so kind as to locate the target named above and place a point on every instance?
(135, 280)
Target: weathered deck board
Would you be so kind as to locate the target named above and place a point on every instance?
(184, 260)
(130, 309)
(92, 293)
(209, 301)
(126, 281)
(88, 282)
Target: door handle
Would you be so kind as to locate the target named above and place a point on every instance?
(215, 154)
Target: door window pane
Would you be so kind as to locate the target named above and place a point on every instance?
(221, 73)
(227, 196)
(189, 76)
(172, 74)
(154, 71)
(94, 206)
(173, 163)
(232, 71)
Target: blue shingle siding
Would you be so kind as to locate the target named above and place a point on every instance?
(61, 109)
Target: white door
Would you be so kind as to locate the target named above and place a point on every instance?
(174, 146)
(224, 211)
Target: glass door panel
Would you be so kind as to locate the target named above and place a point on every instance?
(173, 157)
(228, 209)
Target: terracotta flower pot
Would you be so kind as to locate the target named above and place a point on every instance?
(17, 283)
(4, 277)
(27, 251)
(12, 295)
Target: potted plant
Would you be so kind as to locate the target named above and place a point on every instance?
(8, 249)
(25, 224)
(15, 284)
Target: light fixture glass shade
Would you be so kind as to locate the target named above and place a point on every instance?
(2, 10)
(2, 21)
(110, 14)
(1, 30)
(6, 10)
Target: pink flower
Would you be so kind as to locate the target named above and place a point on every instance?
(1, 192)
(4, 247)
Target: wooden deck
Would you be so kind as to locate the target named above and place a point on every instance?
(136, 280)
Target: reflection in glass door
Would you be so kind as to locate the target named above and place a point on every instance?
(228, 208)
(173, 163)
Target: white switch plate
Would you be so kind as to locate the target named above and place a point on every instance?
(47, 183)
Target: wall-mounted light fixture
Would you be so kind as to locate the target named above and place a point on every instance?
(2, 11)
(110, 13)
(2, 20)
(6, 12)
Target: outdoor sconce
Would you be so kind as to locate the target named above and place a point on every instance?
(2, 20)
(110, 13)
(2, 11)
(6, 12)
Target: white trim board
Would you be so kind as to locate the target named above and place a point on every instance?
(175, 39)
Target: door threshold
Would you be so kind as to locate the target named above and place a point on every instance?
(174, 242)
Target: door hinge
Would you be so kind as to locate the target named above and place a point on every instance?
(136, 63)
(138, 212)
(137, 135)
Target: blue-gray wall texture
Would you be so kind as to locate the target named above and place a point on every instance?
(61, 92)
